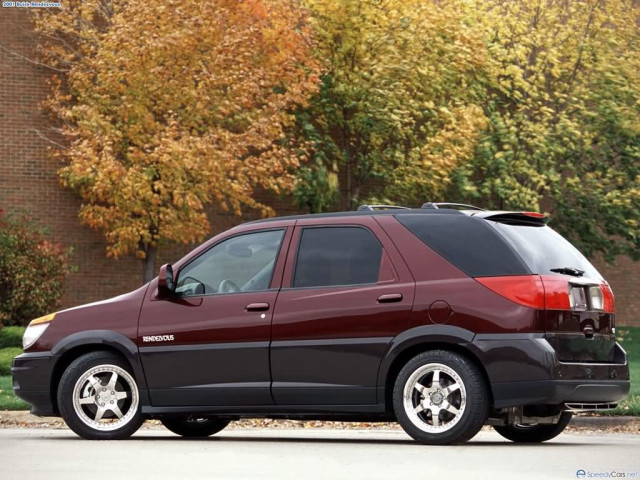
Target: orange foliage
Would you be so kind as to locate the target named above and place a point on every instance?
(171, 105)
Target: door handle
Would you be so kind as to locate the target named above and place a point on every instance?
(257, 307)
(390, 297)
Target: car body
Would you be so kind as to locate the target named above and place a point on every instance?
(440, 318)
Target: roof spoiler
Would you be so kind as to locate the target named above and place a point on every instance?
(516, 218)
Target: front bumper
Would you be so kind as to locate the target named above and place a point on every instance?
(525, 371)
(32, 375)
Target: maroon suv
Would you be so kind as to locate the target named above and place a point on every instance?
(439, 318)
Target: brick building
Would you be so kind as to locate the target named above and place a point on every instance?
(28, 182)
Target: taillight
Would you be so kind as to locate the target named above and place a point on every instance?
(553, 292)
(608, 302)
(557, 292)
(578, 297)
(597, 297)
(525, 290)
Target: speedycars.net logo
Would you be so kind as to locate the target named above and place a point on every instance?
(609, 474)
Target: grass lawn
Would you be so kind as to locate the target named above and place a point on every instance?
(8, 401)
(6, 357)
(629, 337)
(10, 346)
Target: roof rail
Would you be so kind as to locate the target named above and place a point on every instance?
(455, 206)
(381, 207)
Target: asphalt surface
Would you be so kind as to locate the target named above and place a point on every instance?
(311, 453)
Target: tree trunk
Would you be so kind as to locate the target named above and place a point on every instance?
(149, 264)
(355, 198)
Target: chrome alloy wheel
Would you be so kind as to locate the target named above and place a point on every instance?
(105, 397)
(434, 398)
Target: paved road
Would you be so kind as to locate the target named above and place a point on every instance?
(304, 454)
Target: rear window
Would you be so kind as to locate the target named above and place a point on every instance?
(543, 249)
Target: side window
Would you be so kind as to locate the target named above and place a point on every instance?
(330, 256)
(239, 264)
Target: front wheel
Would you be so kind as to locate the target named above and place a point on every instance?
(534, 433)
(194, 426)
(440, 398)
(98, 397)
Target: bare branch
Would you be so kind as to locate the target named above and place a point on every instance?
(64, 42)
(43, 137)
(26, 59)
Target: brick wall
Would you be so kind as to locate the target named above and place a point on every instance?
(624, 277)
(28, 182)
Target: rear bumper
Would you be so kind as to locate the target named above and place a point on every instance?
(32, 373)
(559, 392)
(538, 377)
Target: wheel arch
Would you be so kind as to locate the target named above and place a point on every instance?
(81, 343)
(421, 339)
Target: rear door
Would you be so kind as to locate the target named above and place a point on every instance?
(580, 323)
(346, 293)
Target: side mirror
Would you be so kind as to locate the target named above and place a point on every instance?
(165, 281)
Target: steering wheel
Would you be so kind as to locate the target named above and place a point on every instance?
(227, 286)
(190, 286)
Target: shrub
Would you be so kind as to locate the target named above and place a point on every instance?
(32, 270)
(11, 337)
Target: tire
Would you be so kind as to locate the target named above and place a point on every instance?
(534, 433)
(194, 426)
(458, 394)
(98, 397)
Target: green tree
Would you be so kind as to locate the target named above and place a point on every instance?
(563, 100)
(396, 99)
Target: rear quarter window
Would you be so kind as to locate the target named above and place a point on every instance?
(468, 243)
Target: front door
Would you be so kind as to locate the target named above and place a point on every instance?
(209, 344)
(346, 293)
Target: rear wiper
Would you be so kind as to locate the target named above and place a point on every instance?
(568, 271)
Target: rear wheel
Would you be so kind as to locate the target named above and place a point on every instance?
(534, 433)
(98, 397)
(440, 397)
(194, 426)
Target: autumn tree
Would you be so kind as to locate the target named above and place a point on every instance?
(562, 87)
(396, 103)
(168, 106)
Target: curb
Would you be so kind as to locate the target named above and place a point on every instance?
(604, 422)
(22, 418)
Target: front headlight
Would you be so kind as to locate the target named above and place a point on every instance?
(35, 330)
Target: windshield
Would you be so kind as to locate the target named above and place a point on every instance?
(543, 249)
